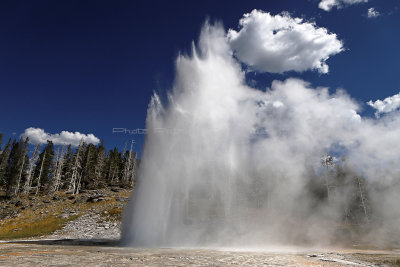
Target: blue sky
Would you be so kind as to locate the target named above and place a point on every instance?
(91, 66)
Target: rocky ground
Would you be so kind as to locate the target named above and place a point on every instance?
(85, 253)
(90, 215)
(88, 226)
(88, 234)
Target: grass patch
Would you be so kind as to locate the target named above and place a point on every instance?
(39, 227)
(39, 218)
(394, 262)
(114, 214)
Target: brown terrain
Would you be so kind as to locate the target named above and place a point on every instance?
(84, 230)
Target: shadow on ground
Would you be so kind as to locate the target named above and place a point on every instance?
(69, 242)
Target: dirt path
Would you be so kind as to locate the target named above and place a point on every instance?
(103, 253)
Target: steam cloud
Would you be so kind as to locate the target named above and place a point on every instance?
(241, 171)
(327, 5)
(39, 136)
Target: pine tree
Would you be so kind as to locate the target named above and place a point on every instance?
(1, 141)
(44, 166)
(15, 165)
(108, 167)
(89, 168)
(114, 166)
(3, 162)
(129, 168)
(10, 172)
(24, 165)
(100, 165)
(66, 172)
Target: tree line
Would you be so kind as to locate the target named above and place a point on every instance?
(47, 169)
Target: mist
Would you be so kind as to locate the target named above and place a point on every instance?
(236, 166)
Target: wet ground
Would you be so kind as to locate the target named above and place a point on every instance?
(109, 253)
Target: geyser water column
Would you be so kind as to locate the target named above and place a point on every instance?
(185, 191)
(233, 166)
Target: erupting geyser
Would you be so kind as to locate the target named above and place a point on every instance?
(238, 166)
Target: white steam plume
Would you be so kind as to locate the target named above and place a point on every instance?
(242, 170)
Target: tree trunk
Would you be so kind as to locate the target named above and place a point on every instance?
(75, 171)
(20, 175)
(128, 167)
(40, 174)
(56, 176)
(28, 181)
(362, 199)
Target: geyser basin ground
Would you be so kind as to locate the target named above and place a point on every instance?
(88, 253)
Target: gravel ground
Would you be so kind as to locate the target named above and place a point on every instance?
(79, 253)
(91, 240)
(88, 226)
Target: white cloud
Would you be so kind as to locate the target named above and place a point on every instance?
(39, 136)
(327, 5)
(372, 13)
(386, 105)
(281, 43)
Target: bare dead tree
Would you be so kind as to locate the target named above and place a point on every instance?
(128, 166)
(28, 180)
(362, 199)
(60, 167)
(56, 174)
(134, 170)
(78, 185)
(327, 161)
(40, 174)
(20, 175)
(54, 169)
(76, 170)
(113, 176)
(100, 162)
